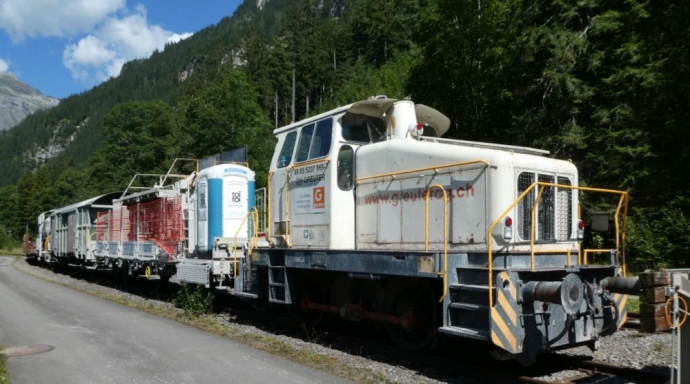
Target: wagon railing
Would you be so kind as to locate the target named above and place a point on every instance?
(620, 226)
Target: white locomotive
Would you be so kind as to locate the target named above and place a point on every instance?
(371, 215)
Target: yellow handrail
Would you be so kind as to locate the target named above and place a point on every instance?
(434, 168)
(620, 232)
(557, 251)
(234, 246)
(531, 227)
(287, 207)
(268, 207)
(579, 244)
(445, 233)
(254, 239)
(624, 198)
(588, 251)
(622, 248)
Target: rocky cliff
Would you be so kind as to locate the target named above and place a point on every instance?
(18, 100)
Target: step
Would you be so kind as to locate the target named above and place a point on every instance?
(470, 306)
(276, 284)
(472, 333)
(246, 295)
(469, 287)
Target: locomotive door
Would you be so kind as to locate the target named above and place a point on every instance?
(299, 209)
(310, 186)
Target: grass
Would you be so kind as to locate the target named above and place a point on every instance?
(12, 252)
(4, 378)
(633, 305)
(261, 341)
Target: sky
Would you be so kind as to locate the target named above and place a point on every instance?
(63, 47)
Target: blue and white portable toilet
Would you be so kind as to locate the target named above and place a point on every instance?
(225, 194)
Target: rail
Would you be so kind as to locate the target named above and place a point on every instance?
(445, 233)
(434, 168)
(161, 177)
(242, 163)
(588, 251)
(260, 205)
(620, 232)
(268, 206)
(173, 165)
(254, 213)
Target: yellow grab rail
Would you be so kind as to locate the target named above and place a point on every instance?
(286, 190)
(268, 207)
(531, 227)
(445, 233)
(234, 246)
(620, 232)
(588, 251)
(579, 244)
(434, 168)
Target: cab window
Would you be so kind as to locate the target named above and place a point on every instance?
(361, 128)
(286, 152)
(315, 140)
(304, 143)
(345, 168)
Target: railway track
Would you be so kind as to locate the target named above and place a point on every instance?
(452, 361)
(633, 321)
(589, 371)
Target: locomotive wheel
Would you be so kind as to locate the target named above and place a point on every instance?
(415, 298)
(313, 289)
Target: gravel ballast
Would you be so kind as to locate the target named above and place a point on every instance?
(626, 348)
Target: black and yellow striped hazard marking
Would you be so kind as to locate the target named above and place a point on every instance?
(621, 303)
(504, 317)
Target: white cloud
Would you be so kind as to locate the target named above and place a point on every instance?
(176, 37)
(115, 41)
(37, 18)
(4, 66)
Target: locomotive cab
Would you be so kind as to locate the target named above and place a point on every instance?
(312, 176)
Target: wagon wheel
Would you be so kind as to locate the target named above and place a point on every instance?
(416, 300)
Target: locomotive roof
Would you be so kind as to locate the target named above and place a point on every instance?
(313, 118)
(377, 107)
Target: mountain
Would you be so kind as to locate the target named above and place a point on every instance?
(73, 129)
(18, 100)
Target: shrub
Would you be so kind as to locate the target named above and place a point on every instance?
(194, 300)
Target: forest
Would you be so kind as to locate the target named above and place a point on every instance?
(601, 82)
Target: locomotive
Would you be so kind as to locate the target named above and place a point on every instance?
(370, 215)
